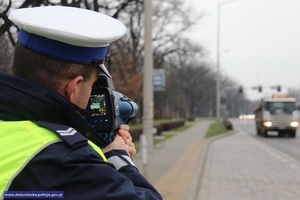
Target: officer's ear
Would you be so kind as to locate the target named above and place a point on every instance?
(72, 88)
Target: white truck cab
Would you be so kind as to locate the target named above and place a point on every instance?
(277, 114)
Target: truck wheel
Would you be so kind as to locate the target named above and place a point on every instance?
(265, 133)
(258, 131)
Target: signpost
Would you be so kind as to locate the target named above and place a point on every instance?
(158, 80)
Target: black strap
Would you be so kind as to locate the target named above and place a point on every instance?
(68, 134)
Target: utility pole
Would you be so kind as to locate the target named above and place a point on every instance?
(148, 91)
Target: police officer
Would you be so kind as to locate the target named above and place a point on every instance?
(47, 148)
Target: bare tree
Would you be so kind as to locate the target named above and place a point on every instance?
(6, 53)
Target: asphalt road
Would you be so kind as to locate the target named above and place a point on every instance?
(287, 145)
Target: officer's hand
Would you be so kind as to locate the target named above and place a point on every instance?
(123, 140)
(124, 133)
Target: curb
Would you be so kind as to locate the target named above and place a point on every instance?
(192, 193)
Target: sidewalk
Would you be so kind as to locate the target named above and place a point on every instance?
(176, 167)
(240, 167)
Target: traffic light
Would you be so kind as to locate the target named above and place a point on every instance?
(278, 88)
(241, 89)
(259, 89)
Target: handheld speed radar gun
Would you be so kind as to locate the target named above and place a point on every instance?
(107, 108)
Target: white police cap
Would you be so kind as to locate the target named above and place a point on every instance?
(67, 33)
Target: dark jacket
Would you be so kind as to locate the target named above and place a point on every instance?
(80, 172)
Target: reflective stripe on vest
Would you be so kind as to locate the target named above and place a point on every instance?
(20, 142)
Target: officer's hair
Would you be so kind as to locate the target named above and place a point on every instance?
(51, 72)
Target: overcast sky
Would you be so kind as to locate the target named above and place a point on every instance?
(259, 41)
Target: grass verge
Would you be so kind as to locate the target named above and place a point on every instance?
(215, 129)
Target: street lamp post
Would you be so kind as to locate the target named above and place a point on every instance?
(218, 60)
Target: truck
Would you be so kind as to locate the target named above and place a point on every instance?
(278, 114)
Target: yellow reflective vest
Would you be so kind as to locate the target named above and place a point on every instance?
(20, 142)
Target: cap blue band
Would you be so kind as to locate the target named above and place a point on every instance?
(60, 50)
